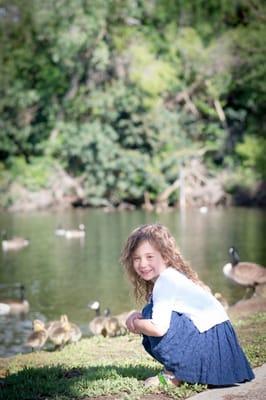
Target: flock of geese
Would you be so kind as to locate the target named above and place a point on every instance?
(18, 243)
(61, 332)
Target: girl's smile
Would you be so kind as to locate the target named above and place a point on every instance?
(148, 262)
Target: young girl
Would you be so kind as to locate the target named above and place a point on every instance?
(184, 326)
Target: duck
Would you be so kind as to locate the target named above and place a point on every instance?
(38, 337)
(244, 273)
(97, 324)
(76, 233)
(59, 333)
(15, 243)
(16, 306)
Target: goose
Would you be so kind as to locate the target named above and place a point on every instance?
(16, 306)
(111, 327)
(203, 210)
(244, 273)
(4, 309)
(75, 333)
(122, 318)
(97, 324)
(51, 325)
(38, 337)
(59, 333)
(76, 233)
(15, 243)
(222, 300)
(108, 325)
(60, 231)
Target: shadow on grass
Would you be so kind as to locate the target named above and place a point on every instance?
(60, 382)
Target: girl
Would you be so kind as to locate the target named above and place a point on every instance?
(184, 327)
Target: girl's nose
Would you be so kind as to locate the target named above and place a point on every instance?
(143, 262)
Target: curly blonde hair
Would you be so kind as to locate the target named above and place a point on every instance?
(161, 239)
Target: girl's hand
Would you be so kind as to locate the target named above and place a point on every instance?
(130, 321)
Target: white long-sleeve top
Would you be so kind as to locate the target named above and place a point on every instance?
(173, 291)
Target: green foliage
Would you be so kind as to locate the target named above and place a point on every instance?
(117, 90)
(151, 74)
(253, 151)
(33, 175)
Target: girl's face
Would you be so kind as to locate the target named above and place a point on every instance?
(148, 262)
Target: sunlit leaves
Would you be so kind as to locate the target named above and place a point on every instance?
(253, 151)
(153, 75)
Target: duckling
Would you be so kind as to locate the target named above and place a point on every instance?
(244, 273)
(78, 233)
(222, 300)
(96, 325)
(38, 337)
(17, 306)
(75, 333)
(122, 317)
(59, 335)
(260, 290)
(111, 327)
(16, 243)
(51, 325)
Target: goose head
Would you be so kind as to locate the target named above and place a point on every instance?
(94, 305)
(233, 253)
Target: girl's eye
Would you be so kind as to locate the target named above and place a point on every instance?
(150, 257)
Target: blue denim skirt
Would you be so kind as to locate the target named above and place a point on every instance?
(213, 357)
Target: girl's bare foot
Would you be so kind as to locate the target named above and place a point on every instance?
(163, 378)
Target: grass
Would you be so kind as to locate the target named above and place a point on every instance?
(101, 368)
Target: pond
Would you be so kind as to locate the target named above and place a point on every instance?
(62, 275)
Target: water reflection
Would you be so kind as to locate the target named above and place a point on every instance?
(62, 275)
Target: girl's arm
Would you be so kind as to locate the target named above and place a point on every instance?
(136, 324)
(146, 327)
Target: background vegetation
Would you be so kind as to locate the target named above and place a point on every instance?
(118, 93)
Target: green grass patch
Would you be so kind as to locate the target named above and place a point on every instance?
(111, 367)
